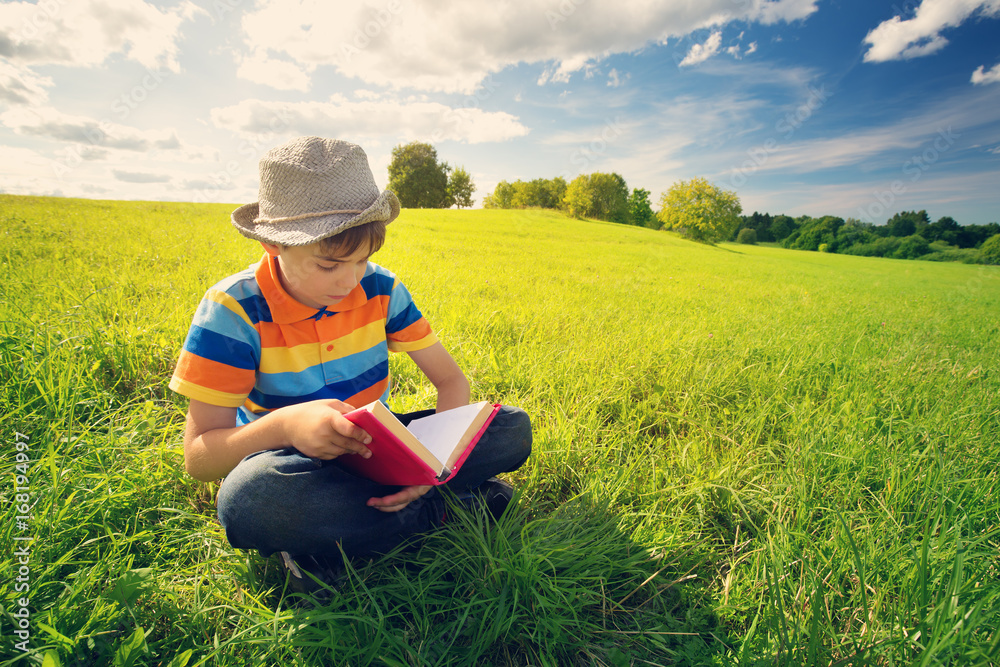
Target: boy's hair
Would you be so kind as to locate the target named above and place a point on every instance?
(348, 241)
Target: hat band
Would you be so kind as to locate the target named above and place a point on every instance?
(304, 216)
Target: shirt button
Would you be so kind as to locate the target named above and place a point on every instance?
(329, 348)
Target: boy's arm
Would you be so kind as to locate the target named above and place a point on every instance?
(213, 444)
(449, 380)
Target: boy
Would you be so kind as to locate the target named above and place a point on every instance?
(277, 353)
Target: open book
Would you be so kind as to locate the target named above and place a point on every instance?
(428, 450)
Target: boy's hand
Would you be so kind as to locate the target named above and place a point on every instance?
(398, 500)
(319, 430)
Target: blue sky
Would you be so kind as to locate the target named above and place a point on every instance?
(845, 107)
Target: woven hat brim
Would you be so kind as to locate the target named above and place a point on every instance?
(311, 230)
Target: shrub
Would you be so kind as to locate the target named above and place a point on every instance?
(912, 247)
(991, 249)
(748, 236)
(824, 247)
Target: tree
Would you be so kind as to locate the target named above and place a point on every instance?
(945, 229)
(812, 233)
(991, 249)
(460, 188)
(907, 223)
(541, 192)
(747, 235)
(700, 210)
(417, 178)
(501, 197)
(782, 226)
(640, 211)
(609, 198)
(578, 198)
(912, 247)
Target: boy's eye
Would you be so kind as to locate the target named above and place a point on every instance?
(327, 268)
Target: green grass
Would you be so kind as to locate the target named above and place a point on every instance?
(743, 455)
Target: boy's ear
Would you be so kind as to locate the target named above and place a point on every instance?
(272, 249)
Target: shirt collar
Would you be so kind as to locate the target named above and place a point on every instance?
(283, 306)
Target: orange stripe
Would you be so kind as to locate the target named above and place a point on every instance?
(416, 331)
(329, 328)
(368, 395)
(286, 335)
(211, 374)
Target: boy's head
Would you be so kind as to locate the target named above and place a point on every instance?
(317, 190)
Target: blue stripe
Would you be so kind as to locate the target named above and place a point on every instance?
(339, 390)
(400, 321)
(223, 321)
(376, 283)
(223, 349)
(256, 308)
(338, 371)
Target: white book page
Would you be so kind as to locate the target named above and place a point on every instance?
(441, 432)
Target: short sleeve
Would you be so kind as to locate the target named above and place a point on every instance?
(406, 329)
(221, 354)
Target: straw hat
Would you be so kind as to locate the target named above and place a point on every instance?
(312, 188)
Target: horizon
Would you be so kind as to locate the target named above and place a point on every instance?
(802, 107)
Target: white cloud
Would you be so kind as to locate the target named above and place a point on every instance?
(19, 85)
(453, 46)
(85, 33)
(280, 74)
(900, 38)
(53, 124)
(699, 53)
(615, 79)
(981, 76)
(140, 176)
(410, 119)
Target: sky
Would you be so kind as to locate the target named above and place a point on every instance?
(854, 108)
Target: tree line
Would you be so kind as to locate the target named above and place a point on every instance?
(598, 195)
(697, 209)
(906, 235)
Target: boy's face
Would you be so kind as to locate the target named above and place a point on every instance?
(316, 278)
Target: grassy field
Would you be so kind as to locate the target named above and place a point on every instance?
(743, 455)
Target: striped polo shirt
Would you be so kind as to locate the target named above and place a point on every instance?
(253, 347)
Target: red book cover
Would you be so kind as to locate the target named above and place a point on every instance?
(401, 458)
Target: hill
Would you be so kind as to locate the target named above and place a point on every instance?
(742, 454)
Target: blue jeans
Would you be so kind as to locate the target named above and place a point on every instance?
(282, 500)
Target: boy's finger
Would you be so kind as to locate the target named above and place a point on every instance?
(402, 497)
(340, 406)
(351, 431)
(355, 447)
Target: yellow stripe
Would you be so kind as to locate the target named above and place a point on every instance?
(359, 340)
(289, 359)
(206, 395)
(412, 345)
(297, 359)
(221, 298)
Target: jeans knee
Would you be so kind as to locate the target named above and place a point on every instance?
(250, 489)
(517, 425)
